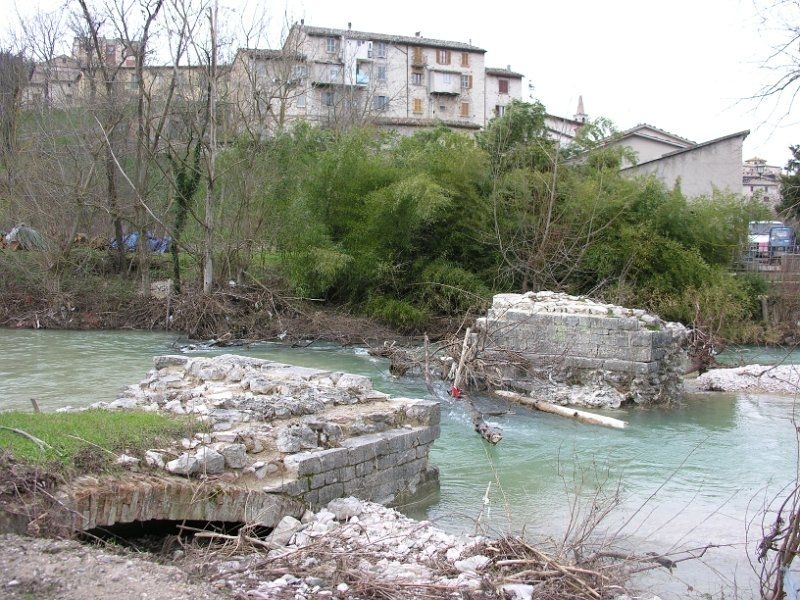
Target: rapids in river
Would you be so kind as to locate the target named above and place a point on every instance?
(679, 478)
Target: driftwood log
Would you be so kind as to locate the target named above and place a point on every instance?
(563, 411)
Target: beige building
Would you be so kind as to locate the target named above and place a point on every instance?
(699, 169)
(502, 86)
(55, 83)
(341, 76)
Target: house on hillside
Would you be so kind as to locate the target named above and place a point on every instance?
(564, 130)
(761, 181)
(54, 83)
(502, 86)
(331, 77)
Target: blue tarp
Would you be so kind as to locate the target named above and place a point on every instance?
(154, 244)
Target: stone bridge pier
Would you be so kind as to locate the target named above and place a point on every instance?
(608, 354)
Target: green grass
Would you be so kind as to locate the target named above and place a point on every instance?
(87, 441)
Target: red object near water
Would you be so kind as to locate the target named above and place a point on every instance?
(455, 392)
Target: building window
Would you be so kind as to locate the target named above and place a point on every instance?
(465, 109)
(447, 78)
(466, 82)
(418, 105)
(380, 102)
(334, 74)
(327, 98)
(443, 57)
(465, 59)
(301, 101)
(382, 73)
(380, 49)
(362, 75)
(331, 45)
(502, 86)
(418, 57)
(300, 71)
(416, 78)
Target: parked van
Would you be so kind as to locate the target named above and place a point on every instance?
(781, 240)
(758, 237)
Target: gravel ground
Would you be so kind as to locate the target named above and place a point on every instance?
(47, 569)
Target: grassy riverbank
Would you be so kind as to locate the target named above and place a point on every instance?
(70, 443)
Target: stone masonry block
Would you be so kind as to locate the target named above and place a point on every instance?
(397, 458)
(330, 492)
(428, 435)
(303, 463)
(423, 412)
(632, 367)
(364, 447)
(366, 468)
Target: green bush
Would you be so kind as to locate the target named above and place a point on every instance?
(451, 290)
(399, 314)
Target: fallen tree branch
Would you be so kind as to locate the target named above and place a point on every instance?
(563, 411)
(488, 432)
(41, 443)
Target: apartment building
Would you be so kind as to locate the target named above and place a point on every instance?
(329, 77)
(340, 76)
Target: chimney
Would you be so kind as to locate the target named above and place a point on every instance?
(349, 25)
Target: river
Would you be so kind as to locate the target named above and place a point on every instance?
(680, 478)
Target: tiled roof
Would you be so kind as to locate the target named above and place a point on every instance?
(742, 134)
(503, 72)
(640, 126)
(411, 40)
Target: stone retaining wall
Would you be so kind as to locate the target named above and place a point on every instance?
(273, 440)
(581, 341)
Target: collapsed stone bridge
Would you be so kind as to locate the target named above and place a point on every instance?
(273, 440)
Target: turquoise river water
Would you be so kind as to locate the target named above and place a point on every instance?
(680, 478)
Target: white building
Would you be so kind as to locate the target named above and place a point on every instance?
(762, 181)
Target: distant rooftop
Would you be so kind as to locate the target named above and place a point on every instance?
(410, 40)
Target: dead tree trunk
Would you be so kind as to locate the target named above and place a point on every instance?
(488, 432)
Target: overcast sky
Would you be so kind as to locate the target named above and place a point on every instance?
(685, 66)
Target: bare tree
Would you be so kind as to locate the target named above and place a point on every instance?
(13, 78)
(784, 57)
(97, 63)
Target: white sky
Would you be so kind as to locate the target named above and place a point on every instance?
(685, 66)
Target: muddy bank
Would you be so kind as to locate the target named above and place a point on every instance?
(225, 315)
